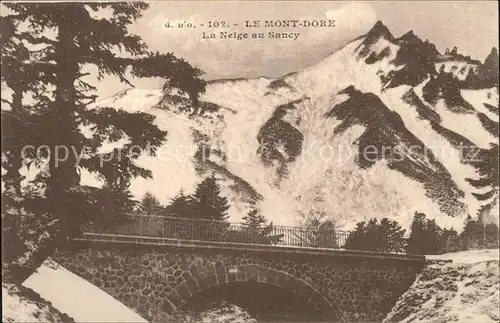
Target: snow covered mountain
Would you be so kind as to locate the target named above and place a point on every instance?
(382, 127)
(453, 287)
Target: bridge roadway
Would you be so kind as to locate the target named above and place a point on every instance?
(158, 277)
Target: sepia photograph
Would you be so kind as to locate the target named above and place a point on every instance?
(250, 161)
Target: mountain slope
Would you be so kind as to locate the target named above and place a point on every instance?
(20, 304)
(466, 290)
(296, 146)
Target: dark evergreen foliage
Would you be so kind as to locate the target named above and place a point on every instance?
(52, 75)
(320, 232)
(207, 202)
(253, 220)
(202, 215)
(386, 236)
(150, 205)
(478, 235)
(428, 238)
(180, 206)
(256, 230)
(425, 236)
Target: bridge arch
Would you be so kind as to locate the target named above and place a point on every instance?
(157, 277)
(200, 280)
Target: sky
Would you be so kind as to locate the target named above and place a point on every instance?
(469, 25)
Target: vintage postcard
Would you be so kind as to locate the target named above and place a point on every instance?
(250, 161)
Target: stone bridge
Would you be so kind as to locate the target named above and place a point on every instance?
(159, 277)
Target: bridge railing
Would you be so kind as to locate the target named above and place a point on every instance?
(207, 230)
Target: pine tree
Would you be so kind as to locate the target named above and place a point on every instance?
(386, 236)
(320, 231)
(207, 202)
(252, 227)
(260, 232)
(391, 235)
(478, 234)
(328, 237)
(426, 237)
(19, 74)
(432, 237)
(268, 235)
(253, 220)
(180, 206)
(416, 239)
(53, 75)
(23, 234)
(491, 236)
(150, 205)
(448, 241)
(255, 230)
(359, 238)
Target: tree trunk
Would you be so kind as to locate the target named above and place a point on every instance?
(63, 142)
(63, 173)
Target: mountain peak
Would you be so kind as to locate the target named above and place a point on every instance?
(491, 62)
(379, 30)
(410, 37)
(493, 55)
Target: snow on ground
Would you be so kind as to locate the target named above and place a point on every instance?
(21, 304)
(466, 290)
(479, 97)
(467, 125)
(226, 314)
(460, 69)
(78, 298)
(468, 257)
(442, 149)
(219, 312)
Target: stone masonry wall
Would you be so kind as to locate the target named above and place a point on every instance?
(157, 282)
